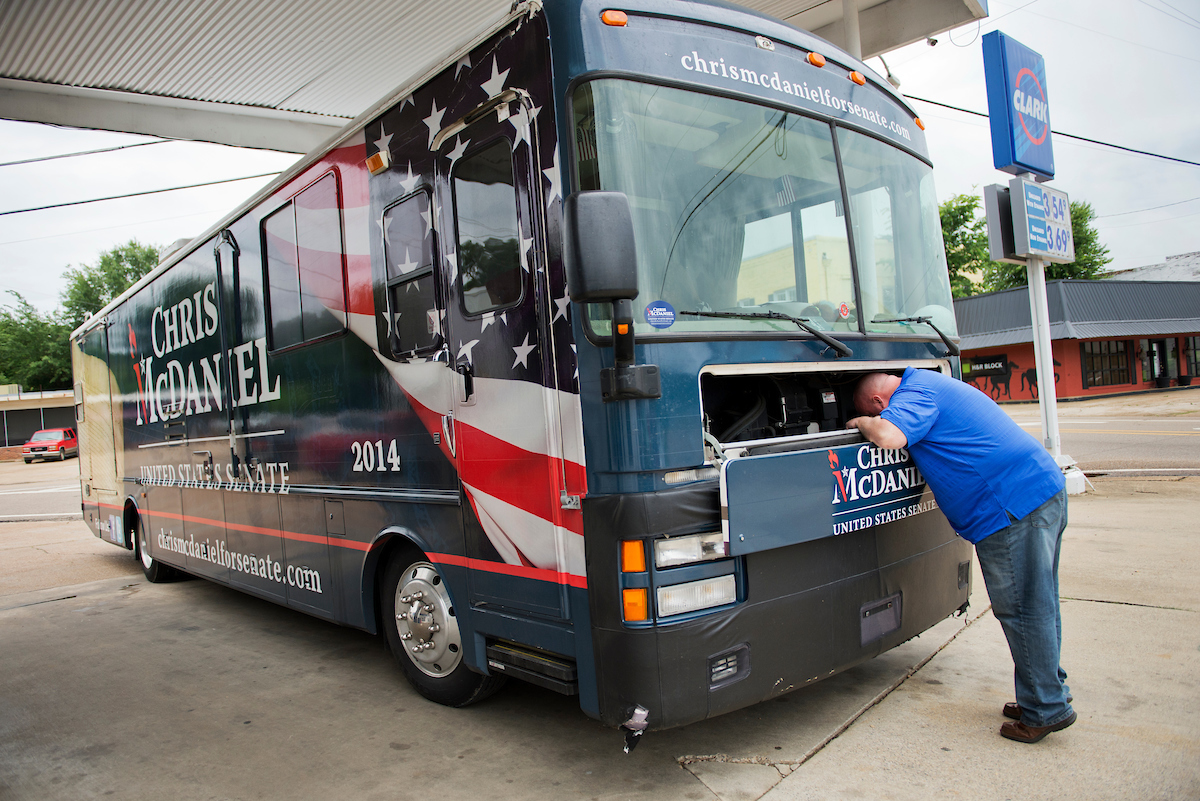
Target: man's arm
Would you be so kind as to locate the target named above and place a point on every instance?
(880, 432)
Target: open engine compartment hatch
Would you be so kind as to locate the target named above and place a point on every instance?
(790, 471)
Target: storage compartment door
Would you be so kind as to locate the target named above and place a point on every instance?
(779, 499)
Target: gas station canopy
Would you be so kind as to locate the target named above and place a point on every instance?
(287, 75)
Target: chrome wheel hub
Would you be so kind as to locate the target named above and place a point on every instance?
(425, 621)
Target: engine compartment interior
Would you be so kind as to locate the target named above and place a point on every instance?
(744, 407)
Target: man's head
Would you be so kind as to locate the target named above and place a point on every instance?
(873, 392)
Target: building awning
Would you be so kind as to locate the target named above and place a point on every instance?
(1082, 310)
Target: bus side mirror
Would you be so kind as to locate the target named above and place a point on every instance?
(600, 256)
(601, 263)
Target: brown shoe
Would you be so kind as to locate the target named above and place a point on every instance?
(1013, 710)
(1031, 734)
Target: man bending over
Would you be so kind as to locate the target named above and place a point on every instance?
(1003, 492)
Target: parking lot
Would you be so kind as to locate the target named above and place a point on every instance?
(111, 686)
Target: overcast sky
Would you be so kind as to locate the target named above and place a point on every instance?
(1120, 72)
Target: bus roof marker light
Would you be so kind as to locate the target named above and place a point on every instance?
(858, 77)
(617, 19)
(378, 162)
(816, 59)
(920, 124)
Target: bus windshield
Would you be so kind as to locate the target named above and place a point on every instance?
(739, 208)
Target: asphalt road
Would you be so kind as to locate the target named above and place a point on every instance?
(39, 491)
(1146, 434)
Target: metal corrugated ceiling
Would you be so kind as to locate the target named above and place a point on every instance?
(323, 57)
(1082, 310)
(298, 62)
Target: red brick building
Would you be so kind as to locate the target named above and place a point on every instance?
(1107, 337)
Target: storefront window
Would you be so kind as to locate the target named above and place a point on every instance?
(1106, 363)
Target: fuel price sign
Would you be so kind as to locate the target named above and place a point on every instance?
(1041, 221)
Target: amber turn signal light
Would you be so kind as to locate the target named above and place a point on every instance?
(920, 124)
(633, 556)
(377, 163)
(857, 77)
(636, 603)
(615, 18)
(816, 59)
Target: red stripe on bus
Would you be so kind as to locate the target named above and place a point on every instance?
(522, 478)
(268, 532)
(503, 568)
(537, 573)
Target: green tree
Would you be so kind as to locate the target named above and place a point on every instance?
(1090, 256)
(89, 288)
(35, 349)
(964, 232)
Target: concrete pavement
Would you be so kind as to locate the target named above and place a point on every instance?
(1130, 582)
(190, 690)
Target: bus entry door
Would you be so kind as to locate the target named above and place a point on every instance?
(506, 451)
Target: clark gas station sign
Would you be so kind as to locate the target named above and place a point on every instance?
(1018, 107)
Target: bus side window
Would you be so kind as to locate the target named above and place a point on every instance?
(485, 205)
(306, 283)
(413, 321)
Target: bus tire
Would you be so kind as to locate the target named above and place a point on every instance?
(155, 571)
(422, 632)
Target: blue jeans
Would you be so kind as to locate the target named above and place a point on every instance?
(1020, 569)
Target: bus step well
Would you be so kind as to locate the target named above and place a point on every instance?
(534, 666)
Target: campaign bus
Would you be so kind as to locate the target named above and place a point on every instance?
(541, 369)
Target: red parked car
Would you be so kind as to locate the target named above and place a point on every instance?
(58, 443)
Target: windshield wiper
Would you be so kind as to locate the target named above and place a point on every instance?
(839, 347)
(950, 346)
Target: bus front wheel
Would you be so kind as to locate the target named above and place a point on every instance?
(422, 632)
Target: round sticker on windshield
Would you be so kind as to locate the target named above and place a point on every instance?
(660, 314)
(844, 310)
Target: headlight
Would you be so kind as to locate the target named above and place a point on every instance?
(685, 550)
(679, 598)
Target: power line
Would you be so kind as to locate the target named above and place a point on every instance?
(1066, 135)
(83, 153)
(137, 194)
(1172, 16)
(1152, 208)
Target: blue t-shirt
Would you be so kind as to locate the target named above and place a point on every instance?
(978, 462)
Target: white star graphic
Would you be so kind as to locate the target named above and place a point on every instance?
(460, 148)
(522, 122)
(425, 215)
(464, 63)
(494, 85)
(407, 101)
(490, 318)
(408, 266)
(563, 304)
(464, 351)
(575, 352)
(526, 244)
(434, 121)
(845, 472)
(384, 143)
(553, 177)
(409, 183)
(452, 263)
(523, 350)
